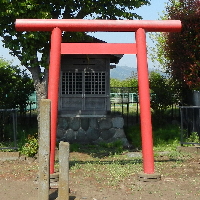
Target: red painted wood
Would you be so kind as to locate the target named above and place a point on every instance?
(53, 86)
(83, 25)
(80, 25)
(98, 48)
(144, 100)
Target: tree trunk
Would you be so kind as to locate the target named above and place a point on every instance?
(40, 85)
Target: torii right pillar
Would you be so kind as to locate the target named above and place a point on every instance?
(144, 100)
(145, 112)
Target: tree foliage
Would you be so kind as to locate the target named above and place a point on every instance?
(131, 83)
(15, 86)
(181, 51)
(164, 92)
(27, 45)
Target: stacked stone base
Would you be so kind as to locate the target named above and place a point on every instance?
(86, 130)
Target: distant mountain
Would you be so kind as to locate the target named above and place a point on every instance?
(123, 72)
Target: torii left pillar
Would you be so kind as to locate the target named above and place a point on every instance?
(53, 86)
(138, 26)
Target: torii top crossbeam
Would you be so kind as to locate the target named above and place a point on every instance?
(83, 25)
(56, 26)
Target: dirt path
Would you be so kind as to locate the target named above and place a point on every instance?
(182, 181)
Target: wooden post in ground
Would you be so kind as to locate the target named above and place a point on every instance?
(63, 188)
(44, 150)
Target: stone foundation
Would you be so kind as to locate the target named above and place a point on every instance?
(86, 130)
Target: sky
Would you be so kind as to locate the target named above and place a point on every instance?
(151, 12)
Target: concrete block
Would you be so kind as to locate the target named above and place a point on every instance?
(63, 188)
(9, 156)
(118, 122)
(191, 149)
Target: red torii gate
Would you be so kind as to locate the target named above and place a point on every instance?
(56, 26)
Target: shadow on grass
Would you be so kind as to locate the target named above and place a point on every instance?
(119, 162)
(105, 155)
(54, 195)
(99, 151)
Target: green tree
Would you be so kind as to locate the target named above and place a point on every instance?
(114, 82)
(15, 86)
(164, 93)
(179, 53)
(161, 92)
(131, 82)
(27, 45)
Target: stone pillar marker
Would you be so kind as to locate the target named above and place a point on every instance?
(44, 150)
(63, 188)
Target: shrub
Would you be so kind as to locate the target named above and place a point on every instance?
(30, 148)
(162, 137)
(193, 138)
